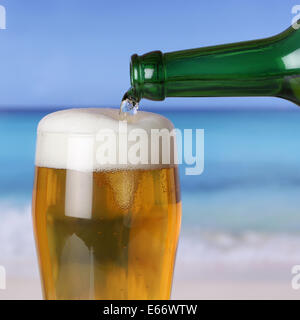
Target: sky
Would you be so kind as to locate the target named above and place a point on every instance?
(76, 53)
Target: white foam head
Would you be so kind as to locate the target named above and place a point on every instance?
(69, 139)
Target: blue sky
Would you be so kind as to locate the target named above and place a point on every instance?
(76, 53)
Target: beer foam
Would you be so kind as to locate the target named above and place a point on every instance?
(69, 139)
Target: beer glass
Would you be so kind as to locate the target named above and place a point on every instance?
(103, 229)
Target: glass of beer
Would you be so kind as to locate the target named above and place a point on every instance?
(105, 227)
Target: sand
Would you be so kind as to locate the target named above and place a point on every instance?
(197, 276)
(29, 289)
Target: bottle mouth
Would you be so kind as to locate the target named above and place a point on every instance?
(147, 76)
(134, 69)
(135, 78)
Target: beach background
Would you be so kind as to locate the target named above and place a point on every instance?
(241, 218)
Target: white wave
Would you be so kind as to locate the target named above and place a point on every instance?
(17, 247)
(245, 247)
(203, 250)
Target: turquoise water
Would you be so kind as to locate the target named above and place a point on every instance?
(251, 178)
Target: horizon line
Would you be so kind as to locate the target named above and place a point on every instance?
(217, 108)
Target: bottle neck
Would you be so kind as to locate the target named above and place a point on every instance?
(253, 68)
(147, 75)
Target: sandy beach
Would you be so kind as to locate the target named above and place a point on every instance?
(192, 280)
(29, 289)
(208, 265)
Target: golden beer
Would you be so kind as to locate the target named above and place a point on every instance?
(105, 233)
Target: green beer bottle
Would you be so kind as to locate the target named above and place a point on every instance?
(266, 67)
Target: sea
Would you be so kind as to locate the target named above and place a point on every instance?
(241, 214)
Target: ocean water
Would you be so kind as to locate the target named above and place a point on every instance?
(243, 210)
